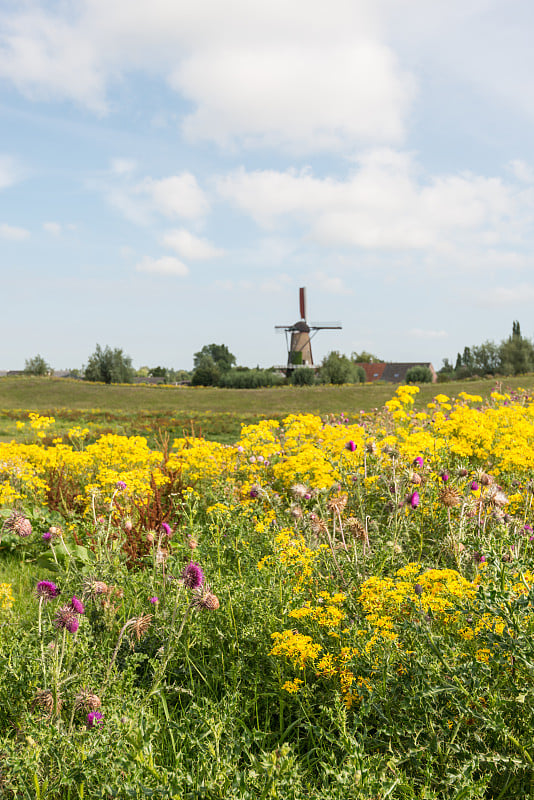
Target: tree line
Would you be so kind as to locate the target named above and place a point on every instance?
(512, 356)
(213, 365)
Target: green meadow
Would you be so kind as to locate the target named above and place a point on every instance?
(216, 414)
(328, 609)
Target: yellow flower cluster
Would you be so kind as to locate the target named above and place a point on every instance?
(386, 601)
(6, 596)
(294, 556)
(298, 648)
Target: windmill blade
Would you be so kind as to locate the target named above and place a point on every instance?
(302, 299)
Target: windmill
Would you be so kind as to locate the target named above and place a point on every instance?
(300, 334)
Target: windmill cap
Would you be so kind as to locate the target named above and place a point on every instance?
(301, 326)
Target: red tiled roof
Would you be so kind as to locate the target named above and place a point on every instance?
(373, 372)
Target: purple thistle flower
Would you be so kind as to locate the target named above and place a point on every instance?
(418, 462)
(77, 606)
(474, 486)
(120, 485)
(527, 528)
(192, 576)
(166, 529)
(94, 718)
(414, 499)
(47, 536)
(351, 446)
(67, 618)
(444, 477)
(47, 590)
(154, 600)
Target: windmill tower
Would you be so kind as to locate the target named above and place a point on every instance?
(300, 334)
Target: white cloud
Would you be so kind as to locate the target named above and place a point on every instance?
(46, 56)
(419, 333)
(331, 284)
(224, 285)
(502, 296)
(189, 246)
(138, 201)
(167, 265)
(303, 74)
(12, 233)
(296, 95)
(383, 204)
(176, 196)
(53, 228)
(9, 172)
(276, 284)
(123, 166)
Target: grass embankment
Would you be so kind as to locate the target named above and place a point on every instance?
(364, 629)
(216, 414)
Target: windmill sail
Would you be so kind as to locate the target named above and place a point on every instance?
(299, 352)
(302, 301)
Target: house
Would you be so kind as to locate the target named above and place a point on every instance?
(393, 372)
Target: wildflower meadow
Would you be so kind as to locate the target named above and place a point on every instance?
(328, 608)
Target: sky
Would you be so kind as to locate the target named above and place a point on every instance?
(171, 172)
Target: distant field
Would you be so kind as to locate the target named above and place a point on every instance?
(214, 413)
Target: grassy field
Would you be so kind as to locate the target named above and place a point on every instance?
(322, 611)
(216, 414)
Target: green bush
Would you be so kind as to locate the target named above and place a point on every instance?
(206, 372)
(242, 378)
(337, 368)
(109, 366)
(419, 374)
(303, 376)
(37, 366)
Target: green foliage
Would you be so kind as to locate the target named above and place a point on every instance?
(157, 372)
(303, 376)
(218, 353)
(516, 353)
(338, 369)
(419, 374)
(365, 358)
(513, 356)
(206, 372)
(109, 366)
(37, 366)
(197, 711)
(244, 378)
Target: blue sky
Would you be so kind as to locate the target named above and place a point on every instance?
(171, 172)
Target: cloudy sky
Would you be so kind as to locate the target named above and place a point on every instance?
(171, 171)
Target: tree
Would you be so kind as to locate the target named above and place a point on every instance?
(516, 353)
(303, 376)
(337, 368)
(486, 358)
(109, 366)
(158, 372)
(365, 358)
(206, 372)
(419, 374)
(220, 355)
(37, 366)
